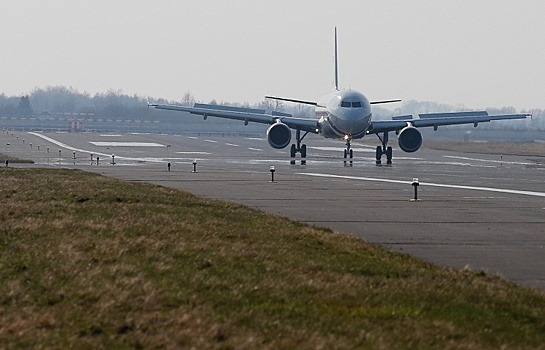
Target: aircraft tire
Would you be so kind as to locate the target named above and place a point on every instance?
(293, 151)
(379, 152)
(389, 153)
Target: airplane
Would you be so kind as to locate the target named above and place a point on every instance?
(341, 114)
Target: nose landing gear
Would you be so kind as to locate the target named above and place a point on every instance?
(348, 152)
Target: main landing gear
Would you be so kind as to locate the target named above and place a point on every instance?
(299, 148)
(384, 149)
(348, 152)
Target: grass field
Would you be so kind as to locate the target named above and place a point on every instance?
(529, 149)
(13, 160)
(92, 262)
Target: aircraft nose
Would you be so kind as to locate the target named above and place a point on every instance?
(352, 121)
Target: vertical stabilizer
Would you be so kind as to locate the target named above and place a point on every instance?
(336, 64)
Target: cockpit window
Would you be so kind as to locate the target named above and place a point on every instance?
(348, 104)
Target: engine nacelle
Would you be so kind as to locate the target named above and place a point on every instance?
(409, 139)
(279, 135)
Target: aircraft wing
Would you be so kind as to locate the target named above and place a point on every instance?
(439, 119)
(245, 114)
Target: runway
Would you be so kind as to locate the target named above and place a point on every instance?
(479, 211)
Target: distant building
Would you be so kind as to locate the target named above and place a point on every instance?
(75, 126)
(45, 115)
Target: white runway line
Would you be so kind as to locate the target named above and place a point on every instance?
(125, 144)
(475, 188)
(255, 149)
(211, 141)
(489, 160)
(63, 145)
(340, 149)
(231, 144)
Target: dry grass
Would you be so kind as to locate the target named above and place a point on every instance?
(14, 160)
(88, 261)
(535, 149)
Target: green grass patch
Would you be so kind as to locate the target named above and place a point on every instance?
(94, 262)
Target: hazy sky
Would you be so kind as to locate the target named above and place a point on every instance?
(475, 53)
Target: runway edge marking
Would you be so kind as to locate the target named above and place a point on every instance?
(431, 184)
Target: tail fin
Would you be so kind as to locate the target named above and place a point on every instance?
(336, 64)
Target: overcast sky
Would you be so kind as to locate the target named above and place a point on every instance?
(472, 53)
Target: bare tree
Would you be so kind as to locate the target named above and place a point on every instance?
(188, 99)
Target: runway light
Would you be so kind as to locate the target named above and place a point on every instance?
(194, 165)
(415, 185)
(272, 173)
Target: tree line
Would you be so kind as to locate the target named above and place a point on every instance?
(60, 100)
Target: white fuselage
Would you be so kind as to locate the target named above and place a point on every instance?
(344, 114)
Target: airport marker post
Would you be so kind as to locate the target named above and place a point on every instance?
(415, 185)
(194, 165)
(272, 173)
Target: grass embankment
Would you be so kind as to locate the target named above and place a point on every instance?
(4, 157)
(89, 261)
(530, 149)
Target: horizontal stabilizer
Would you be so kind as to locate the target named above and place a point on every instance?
(381, 102)
(293, 100)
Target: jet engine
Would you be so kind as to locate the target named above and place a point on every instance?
(409, 139)
(279, 135)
